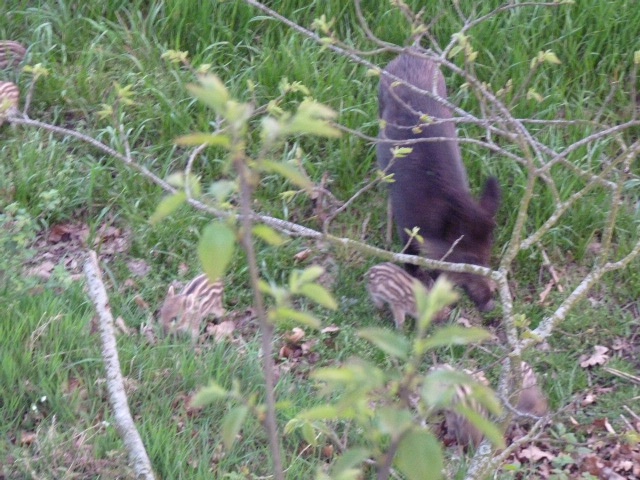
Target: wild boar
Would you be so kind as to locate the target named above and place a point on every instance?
(430, 188)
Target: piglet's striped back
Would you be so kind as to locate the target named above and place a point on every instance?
(208, 295)
(9, 96)
(11, 54)
(185, 311)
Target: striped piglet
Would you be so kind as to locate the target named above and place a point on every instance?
(390, 284)
(531, 401)
(11, 53)
(184, 312)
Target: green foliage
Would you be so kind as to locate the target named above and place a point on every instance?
(419, 455)
(17, 233)
(216, 247)
(167, 206)
(301, 283)
(377, 400)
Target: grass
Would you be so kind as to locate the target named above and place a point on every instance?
(46, 349)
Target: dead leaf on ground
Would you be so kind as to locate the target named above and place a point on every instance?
(27, 438)
(306, 347)
(67, 232)
(302, 255)
(65, 244)
(602, 424)
(464, 322)
(331, 329)
(121, 326)
(42, 270)
(295, 336)
(534, 454)
(141, 303)
(185, 401)
(622, 345)
(288, 352)
(110, 240)
(138, 268)
(599, 357)
(546, 292)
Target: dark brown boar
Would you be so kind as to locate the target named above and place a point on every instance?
(430, 188)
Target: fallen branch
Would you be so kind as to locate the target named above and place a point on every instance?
(115, 384)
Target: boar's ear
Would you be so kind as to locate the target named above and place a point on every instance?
(490, 200)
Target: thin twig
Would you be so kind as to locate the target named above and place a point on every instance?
(266, 327)
(547, 263)
(187, 171)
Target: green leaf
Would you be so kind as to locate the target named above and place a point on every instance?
(222, 189)
(491, 431)
(440, 386)
(285, 313)
(343, 375)
(393, 421)
(292, 425)
(389, 342)
(440, 389)
(211, 92)
(356, 374)
(311, 118)
(176, 179)
(167, 206)
(486, 397)
(265, 287)
(550, 57)
(238, 113)
(312, 126)
(279, 294)
(105, 112)
(320, 295)
(232, 423)
(428, 305)
(288, 171)
(532, 94)
(309, 434)
(419, 456)
(195, 189)
(349, 474)
(454, 335)
(454, 51)
(311, 274)
(215, 249)
(347, 461)
(210, 139)
(401, 152)
(209, 394)
(271, 130)
(269, 235)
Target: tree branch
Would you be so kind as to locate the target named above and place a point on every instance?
(115, 384)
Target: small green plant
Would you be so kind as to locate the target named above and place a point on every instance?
(17, 231)
(392, 407)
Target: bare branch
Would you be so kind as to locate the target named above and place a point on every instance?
(115, 383)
